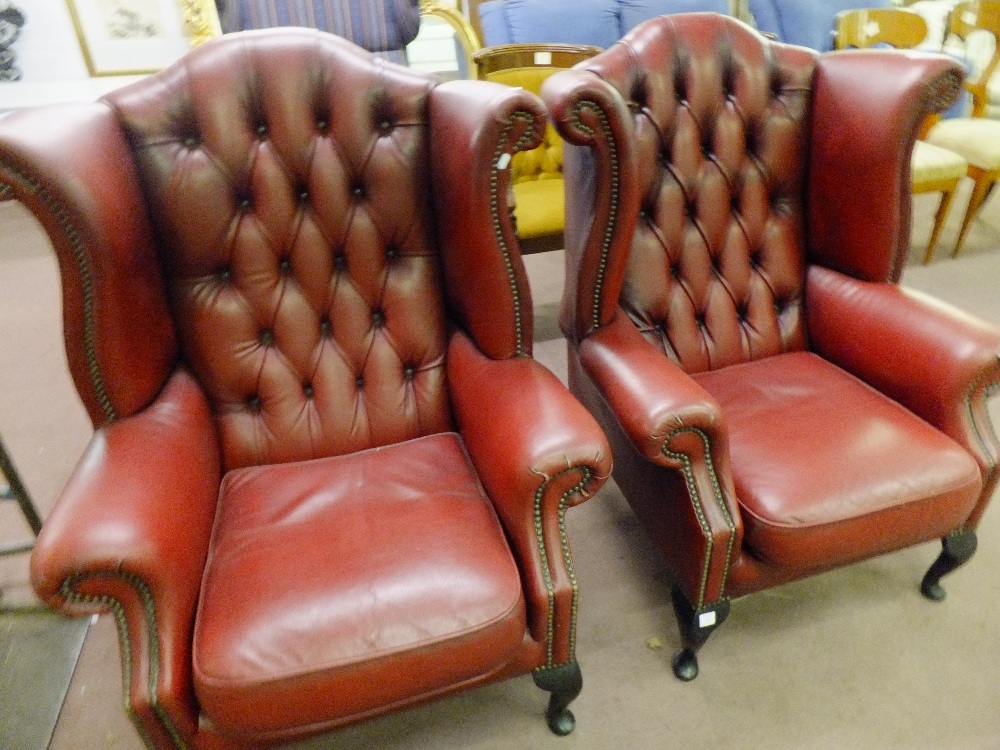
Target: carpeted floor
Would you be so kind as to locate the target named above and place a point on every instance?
(852, 658)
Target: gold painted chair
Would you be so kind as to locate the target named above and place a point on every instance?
(976, 138)
(536, 176)
(440, 21)
(933, 169)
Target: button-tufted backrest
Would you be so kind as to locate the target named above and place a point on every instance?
(715, 272)
(288, 186)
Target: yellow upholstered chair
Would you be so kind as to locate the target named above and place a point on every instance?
(933, 169)
(976, 138)
(536, 175)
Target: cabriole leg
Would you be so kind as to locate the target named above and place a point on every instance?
(564, 682)
(956, 549)
(695, 627)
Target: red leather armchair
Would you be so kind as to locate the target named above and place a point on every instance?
(737, 219)
(327, 478)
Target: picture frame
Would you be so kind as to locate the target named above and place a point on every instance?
(133, 37)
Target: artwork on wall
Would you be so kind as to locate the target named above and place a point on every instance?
(11, 21)
(124, 37)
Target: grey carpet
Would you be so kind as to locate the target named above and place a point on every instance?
(38, 653)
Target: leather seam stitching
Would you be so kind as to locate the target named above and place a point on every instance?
(567, 559)
(142, 588)
(526, 117)
(80, 256)
(610, 226)
(699, 508)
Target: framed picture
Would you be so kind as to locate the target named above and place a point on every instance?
(128, 37)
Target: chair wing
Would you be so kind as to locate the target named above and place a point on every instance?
(725, 285)
(932, 168)
(536, 174)
(291, 291)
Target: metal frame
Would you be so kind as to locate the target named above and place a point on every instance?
(16, 491)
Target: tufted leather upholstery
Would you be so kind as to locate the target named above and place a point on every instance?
(292, 295)
(736, 221)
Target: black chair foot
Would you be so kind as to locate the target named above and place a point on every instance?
(564, 682)
(956, 549)
(686, 665)
(695, 627)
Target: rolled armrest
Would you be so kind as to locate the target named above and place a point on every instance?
(937, 361)
(537, 451)
(130, 534)
(670, 421)
(651, 396)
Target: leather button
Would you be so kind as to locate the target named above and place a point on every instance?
(325, 328)
(261, 130)
(307, 389)
(409, 372)
(378, 318)
(254, 403)
(267, 337)
(360, 382)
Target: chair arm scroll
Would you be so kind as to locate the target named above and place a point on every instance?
(537, 452)
(130, 535)
(672, 422)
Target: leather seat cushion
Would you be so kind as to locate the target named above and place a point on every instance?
(828, 470)
(539, 207)
(337, 585)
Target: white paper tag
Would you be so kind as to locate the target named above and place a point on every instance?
(543, 58)
(706, 619)
(503, 161)
(969, 18)
(871, 28)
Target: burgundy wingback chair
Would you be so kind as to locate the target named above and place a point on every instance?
(737, 219)
(327, 479)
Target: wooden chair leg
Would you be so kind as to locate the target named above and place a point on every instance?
(983, 182)
(947, 196)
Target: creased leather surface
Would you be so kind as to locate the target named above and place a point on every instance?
(349, 582)
(826, 468)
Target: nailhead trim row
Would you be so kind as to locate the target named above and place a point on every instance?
(81, 257)
(699, 508)
(149, 613)
(567, 559)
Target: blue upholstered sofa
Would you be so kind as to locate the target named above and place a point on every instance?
(808, 23)
(597, 22)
